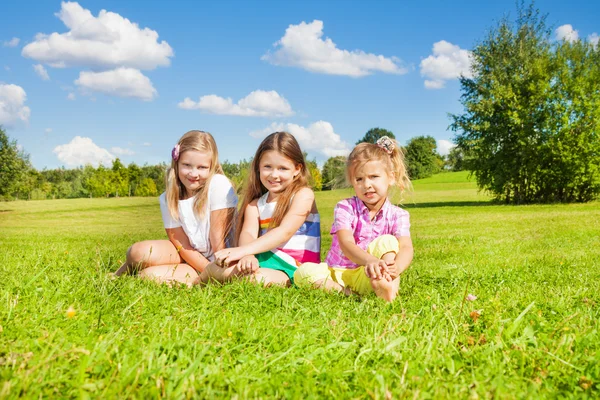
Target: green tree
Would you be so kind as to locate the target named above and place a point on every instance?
(14, 166)
(146, 188)
(334, 173)
(374, 134)
(422, 159)
(531, 114)
(315, 178)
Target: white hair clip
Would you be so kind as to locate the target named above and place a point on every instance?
(386, 144)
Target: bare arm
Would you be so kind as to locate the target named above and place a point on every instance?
(351, 250)
(220, 224)
(182, 243)
(404, 256)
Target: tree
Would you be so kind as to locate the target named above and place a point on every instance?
(531, 114)
(422, 159)
(334, 173)
(374, 134)
(315, 180)
(455, 161)
(14, 166)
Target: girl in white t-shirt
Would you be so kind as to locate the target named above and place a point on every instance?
(198, 209)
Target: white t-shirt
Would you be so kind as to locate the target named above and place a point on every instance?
(220, 195)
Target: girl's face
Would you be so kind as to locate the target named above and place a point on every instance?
(371, 182)
(276, 172)
(194, 169)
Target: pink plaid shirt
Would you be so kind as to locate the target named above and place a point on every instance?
(352, 214)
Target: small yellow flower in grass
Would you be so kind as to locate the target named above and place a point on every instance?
(475, 314)
(471, 297)
(585, 383)
(230, 334)
(71, 312)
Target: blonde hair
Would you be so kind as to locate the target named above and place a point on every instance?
(199, 141)
(285, 144)
(392, 159)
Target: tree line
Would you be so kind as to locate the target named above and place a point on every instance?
(20, 180)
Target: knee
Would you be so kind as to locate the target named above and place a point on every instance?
(138, 254)
(309, 274)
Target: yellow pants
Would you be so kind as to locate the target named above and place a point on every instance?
(356, 279)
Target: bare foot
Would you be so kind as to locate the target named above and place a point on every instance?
(385, 289)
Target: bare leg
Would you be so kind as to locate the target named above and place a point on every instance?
(149, 253)
(329, 285)
(268, 277)
(169, 274)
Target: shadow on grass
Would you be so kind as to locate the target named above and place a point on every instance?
(450, 204)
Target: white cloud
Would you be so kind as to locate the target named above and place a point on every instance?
(48, 130)
(566, 32)
(121, 152)
(71, 96)
(447, 62)
(106, 41)
(41, 71)
(146, 144)
(81, 151)
(122, 82)
(14, 42)
(20, 147)
(593, 39)
(258, 103)
(303, 46)
(318, 136)
(6, 67)
(444, 146)
(12, 104)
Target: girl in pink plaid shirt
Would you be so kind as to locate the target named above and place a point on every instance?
(371, 243)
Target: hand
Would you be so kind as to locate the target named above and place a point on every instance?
(223, 258)
(392, 270)
(247, 265)
(376, 269)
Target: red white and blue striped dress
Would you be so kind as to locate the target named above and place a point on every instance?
(304, 246)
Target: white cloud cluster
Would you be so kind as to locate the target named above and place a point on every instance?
(41, 71)
(71, 96)
(318, 136)
(258, 103)
(119, 151)
(14, 42)
(566, 32)
(82, 151)
(447, 62)
(593, 38)
(444, 147)
(12, 104)
(303, 46)
(122, 82)
(109, 43)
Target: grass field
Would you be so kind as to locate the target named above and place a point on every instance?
(532, 332)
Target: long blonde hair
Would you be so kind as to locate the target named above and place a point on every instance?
(285, 144)
(199, 141)
(391, 156)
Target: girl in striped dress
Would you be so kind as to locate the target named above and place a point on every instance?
(279, 226)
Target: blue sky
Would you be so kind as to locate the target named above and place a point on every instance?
(82, 85)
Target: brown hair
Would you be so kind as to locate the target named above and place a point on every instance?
(285, 144)
(199, 141)
(392, 159)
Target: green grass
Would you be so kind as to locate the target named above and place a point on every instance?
(534, 270)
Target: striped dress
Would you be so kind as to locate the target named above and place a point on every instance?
(304, 246)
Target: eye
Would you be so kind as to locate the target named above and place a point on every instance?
(358, 179)
(283, 168)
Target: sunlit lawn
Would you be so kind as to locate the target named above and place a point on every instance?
(533, 330)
